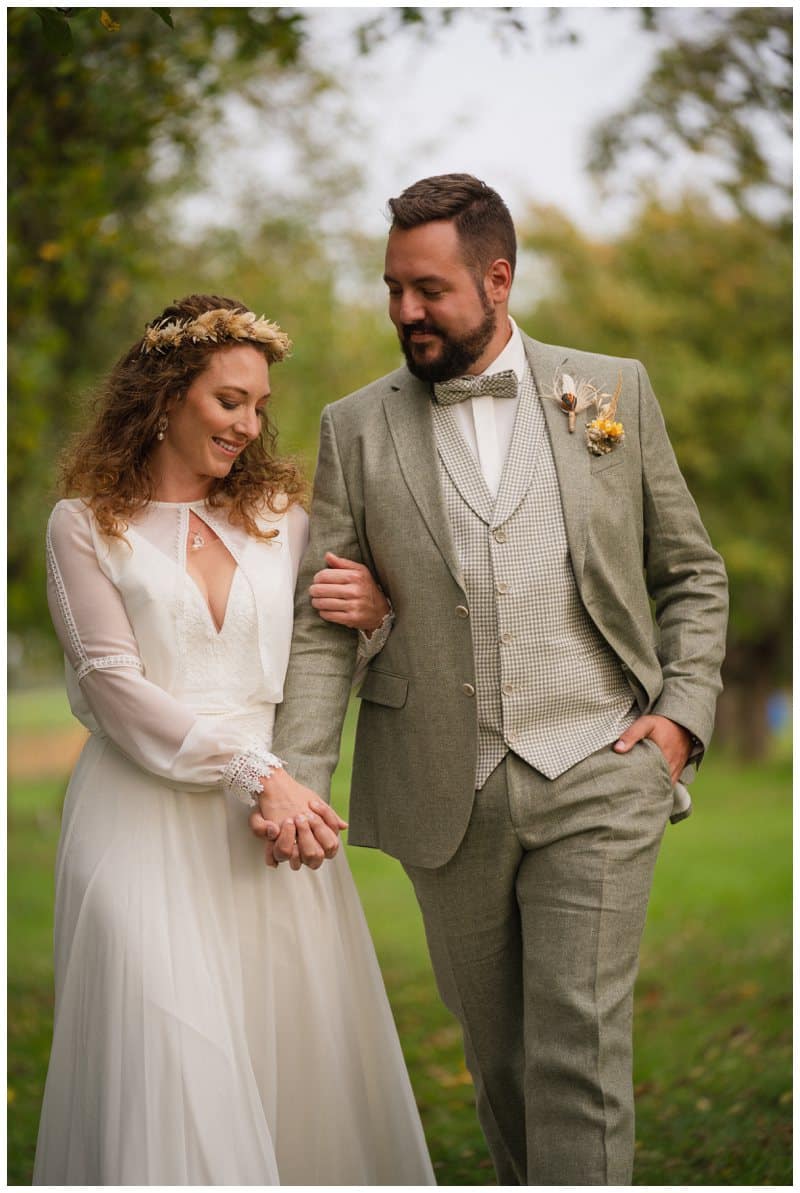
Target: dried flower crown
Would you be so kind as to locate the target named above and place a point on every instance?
(218, 326)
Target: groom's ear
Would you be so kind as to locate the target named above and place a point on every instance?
(497, 280)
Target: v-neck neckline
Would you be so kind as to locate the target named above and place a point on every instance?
(204, 600)
(209, 525)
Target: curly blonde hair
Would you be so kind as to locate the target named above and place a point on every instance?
(108, 464)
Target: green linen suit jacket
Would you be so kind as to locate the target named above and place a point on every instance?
(643, 563)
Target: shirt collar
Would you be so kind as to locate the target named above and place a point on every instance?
(512, 356)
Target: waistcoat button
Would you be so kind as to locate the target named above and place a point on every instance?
(503, 587)
(507, 689)
(499, 536)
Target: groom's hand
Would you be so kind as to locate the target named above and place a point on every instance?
(347, 594)
(672, 739)
(295, 824)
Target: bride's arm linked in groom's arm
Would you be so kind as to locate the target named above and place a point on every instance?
(344, 593)
(324, 644)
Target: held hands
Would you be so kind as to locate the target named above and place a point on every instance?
(674, 742)
(295, 824)
(346, 593)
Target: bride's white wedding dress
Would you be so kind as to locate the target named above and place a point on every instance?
(217, 1022)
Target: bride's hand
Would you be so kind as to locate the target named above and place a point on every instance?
(295, 824)
(346, 593)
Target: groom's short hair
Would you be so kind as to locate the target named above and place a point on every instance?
(481, 218)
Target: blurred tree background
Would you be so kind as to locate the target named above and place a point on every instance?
(115, 119)
(113, 115)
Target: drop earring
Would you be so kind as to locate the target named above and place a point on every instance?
(161, 428)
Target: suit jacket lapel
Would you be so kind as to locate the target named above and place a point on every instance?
(408, 412)
(569, 450)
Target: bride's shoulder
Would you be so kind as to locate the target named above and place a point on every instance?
(289, 518)
(70, 512)
(71, 527)
(74, 506)
(296, 517)
(281, 509)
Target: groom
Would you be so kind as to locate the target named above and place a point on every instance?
(523, 728)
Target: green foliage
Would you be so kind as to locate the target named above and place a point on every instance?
(101, 139)
(705, 302)
(505, 23)
(722, 88)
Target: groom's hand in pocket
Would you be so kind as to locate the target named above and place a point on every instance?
(672, 739)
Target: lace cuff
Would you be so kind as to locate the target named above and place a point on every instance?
(108, 662)
(244, 773)
(372, 644)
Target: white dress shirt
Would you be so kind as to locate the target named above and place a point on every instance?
(487, 423)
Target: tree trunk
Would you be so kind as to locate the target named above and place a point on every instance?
(742, 724)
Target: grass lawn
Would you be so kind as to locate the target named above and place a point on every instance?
(713, 1018)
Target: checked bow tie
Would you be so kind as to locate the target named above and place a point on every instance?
(495, 385)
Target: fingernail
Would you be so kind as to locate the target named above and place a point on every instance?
(300, 820)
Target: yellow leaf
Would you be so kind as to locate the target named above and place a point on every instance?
(108, 22)
(448, 1079)
(51, 250)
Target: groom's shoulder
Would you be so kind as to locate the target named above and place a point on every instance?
(580, 361)
(370, 398)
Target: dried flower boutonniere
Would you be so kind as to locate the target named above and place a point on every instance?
(603, 433)
(573, 399)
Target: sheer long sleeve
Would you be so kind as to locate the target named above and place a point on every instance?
(153, 728)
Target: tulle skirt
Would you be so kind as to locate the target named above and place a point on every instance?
(217, 1022)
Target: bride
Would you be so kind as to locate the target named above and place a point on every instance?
(216, 1022)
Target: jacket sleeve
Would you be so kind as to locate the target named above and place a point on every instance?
(309, 722)
(150, 726)
(685, 578)
(369, 646)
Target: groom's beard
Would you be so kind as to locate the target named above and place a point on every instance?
(456, 353)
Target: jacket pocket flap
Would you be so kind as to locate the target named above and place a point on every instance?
(382, 688)
(603, 463)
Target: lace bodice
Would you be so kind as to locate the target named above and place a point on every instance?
(221, 671)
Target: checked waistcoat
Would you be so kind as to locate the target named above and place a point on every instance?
(548, 686)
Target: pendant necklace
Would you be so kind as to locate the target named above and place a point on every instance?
(197, 541)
